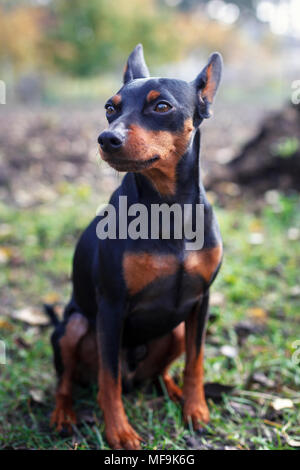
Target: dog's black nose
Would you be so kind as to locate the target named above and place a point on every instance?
(110, 141)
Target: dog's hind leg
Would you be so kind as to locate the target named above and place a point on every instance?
(161, 353)
(65, 342)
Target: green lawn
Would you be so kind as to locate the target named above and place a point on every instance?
(258, 284)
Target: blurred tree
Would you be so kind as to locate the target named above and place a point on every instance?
(87, 37)
(20, 36)
(83, 38)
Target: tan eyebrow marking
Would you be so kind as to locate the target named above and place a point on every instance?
(116, 99)
(152, 95)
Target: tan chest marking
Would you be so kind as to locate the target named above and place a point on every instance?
(203, 262)
(143, 268)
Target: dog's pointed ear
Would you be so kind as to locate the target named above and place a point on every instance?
(136, 66)
(207, 83)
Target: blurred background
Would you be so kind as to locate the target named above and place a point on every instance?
(59, 61)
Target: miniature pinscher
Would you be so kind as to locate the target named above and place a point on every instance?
(138, 303)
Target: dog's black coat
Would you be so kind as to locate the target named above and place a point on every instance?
(100, 292)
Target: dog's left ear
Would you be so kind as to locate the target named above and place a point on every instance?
(136, 66)
(207, 83)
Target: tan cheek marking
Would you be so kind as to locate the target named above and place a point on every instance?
(163, 174)
(170, 146)
(152, 95)
(204, 262)
(116, 99)
(141, 269)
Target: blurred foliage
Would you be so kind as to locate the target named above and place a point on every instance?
(86, 37)
(20, 35)
(286, 147)
(81, 38)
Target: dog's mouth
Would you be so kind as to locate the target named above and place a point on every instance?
(122, 164)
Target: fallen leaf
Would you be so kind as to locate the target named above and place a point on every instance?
(5, 254)
(293, 233)
(217, 299)
(229, 351)
(258, 314)
(31, 315)
(51, 298)
(37, 395)
(295, 291)
(5, 325)
(256, 226)
(256, 238)
(282, 403)
(289, 440)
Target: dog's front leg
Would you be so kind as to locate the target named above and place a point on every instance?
(195, 407)
(119, 433)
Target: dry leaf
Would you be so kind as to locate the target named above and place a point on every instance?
(256, 238)
(282, 403)
(295, 291)
(217, 299)
(289, 440)
(5, 325)
(31, 315)
(37, 395)
(51, 298)
(5, 254)
(258, 314)
(228, 351)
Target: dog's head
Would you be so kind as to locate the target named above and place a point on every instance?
(151, 120)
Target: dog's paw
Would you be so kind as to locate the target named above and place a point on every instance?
(174, 392)
(197, 413)
(123, 436)
(63, 417)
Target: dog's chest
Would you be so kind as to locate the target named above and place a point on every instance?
(164, 289)
(140, 270)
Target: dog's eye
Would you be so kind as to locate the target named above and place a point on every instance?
(110, 109)
(162, 107)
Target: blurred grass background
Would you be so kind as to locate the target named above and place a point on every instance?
(60, 60)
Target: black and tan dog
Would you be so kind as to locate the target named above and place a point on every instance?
(138, 304)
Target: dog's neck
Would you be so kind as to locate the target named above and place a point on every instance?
(186, 180)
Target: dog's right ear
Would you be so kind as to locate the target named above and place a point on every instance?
(136, 66)
(207, 83)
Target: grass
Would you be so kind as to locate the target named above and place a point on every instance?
(258, 284)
